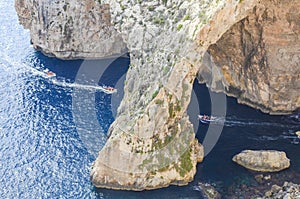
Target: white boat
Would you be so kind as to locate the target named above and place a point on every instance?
(49, 73)
(109, 89)
(206, 119)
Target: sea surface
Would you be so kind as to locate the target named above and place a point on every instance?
(52, 128)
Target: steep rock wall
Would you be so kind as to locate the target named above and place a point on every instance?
(152, 143)
(259, 58)
(70, 29)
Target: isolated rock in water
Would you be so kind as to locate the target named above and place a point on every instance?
(287, 191)
(208, 191)
(263, 161)
(298, 133)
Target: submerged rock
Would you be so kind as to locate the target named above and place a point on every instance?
(262, 161)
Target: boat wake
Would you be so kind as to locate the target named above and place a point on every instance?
(256, 123)
(293, 139)
(81, 86)
(232, 121)
(7, 63)
(45, 73)
(285, 124)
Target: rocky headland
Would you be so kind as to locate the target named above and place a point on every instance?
(253, 50)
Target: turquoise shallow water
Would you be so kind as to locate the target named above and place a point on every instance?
(46, 147)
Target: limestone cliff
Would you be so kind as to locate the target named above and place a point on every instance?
(259, 58)
(152, 143)
(167, 42)
(70, 29)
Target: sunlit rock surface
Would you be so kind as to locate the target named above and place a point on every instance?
(152, 142)
(259, 58)
(263, 161)
(253, 54)
(70, 29)
(288, 190)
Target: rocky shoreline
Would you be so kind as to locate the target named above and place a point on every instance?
(280, 185)
(267, 186)
(152, 142)
(287, 190)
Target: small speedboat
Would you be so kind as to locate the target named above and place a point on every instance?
(49, 73)
(109, 89)
(206, 118)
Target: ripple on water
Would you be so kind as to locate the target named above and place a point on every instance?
(41, 154)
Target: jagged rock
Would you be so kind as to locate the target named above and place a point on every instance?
(152, 116)
(70, 29)
(275, 188)
(287, 191)
(267, 177)
(262, 161)
(208, 191)
(152, 143)
(259, 178)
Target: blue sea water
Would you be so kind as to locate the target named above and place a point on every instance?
(51, 128)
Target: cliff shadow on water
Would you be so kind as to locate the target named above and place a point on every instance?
(243, 128)
(92, 108)
(68, 80)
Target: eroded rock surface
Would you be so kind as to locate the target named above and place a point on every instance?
(258, 58)
(288, 190)
(208, 191)
(70, 29)
(152, 143)
(262, 161)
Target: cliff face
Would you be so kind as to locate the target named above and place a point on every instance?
(258, 58)
(152, 143)
(70, 29)
(167, 43)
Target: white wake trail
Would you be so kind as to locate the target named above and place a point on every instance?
(80, 86)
